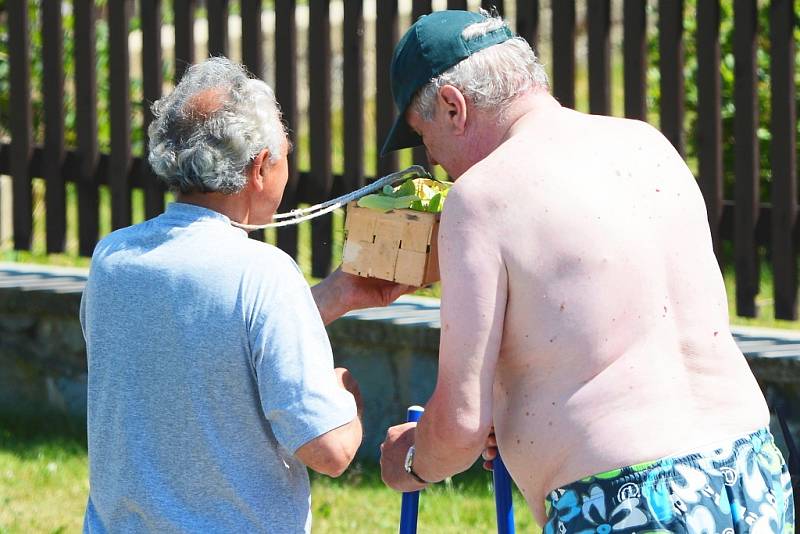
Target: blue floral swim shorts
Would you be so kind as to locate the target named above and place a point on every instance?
(742, 486)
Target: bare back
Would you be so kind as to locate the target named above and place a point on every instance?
(615, 345)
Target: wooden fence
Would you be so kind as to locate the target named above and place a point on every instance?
(742, 219)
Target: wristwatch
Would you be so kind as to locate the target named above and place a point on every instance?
(408, 465)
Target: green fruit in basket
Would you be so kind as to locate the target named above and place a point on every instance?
(420, 194)
(384, 203)
(435, 205)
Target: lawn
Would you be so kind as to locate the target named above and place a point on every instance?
(44, 484)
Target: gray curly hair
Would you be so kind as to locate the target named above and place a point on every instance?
(490, 78)
(210, 127)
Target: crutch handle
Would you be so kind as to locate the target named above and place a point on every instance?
(410, 505)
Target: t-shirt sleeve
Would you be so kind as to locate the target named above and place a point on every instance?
(293, 363)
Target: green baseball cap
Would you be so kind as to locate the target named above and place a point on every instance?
(430, 47)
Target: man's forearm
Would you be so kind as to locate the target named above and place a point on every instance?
(328, 298)
(442, 449)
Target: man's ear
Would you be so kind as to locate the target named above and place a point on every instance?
(257, 171)
(455, 105)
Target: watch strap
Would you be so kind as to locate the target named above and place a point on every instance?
(410, 469)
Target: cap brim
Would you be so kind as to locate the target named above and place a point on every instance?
(400, 136)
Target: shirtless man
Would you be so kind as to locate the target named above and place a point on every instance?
(583, 312)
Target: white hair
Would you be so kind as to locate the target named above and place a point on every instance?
(490, 78)
(207, 131)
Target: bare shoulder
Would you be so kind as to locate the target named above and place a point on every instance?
(472, 194)
(647, 136)
(471, 210)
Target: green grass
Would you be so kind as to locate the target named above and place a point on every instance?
(43, 477)
(764, 303)
(44, 486)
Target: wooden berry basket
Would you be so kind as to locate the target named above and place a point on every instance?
(399, 245)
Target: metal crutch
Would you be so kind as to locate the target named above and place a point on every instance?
(410, 505)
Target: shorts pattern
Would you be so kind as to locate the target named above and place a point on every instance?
(742, 486)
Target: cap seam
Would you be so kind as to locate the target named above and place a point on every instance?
(425, 49)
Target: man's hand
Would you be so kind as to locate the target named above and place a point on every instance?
(393, 456)
(490, 451)
(341, 292)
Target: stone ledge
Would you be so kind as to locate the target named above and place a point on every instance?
(393, 352)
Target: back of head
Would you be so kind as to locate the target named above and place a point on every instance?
(209, 128)
(474, 52)
(490, 78)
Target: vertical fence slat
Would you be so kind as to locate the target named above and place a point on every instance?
(528, 22)
(457, 4)
(386, 37)
(489, 5)
(217, 27)
(635, 58)
(564, 52)
(419, 8)
(286, 94)
(119, 14)
(21, 121)
(783, 156)
(53, 89)
(747, 156)
(709, 120)
(86, 124)
(670, 44)
(321, 181)
(599, 15)
(152, 79)
(252, 53)
(183, 11)
(252, 37)
(353, 120)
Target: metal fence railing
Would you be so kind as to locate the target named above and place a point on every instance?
(654, 40)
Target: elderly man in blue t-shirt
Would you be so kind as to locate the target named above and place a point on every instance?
(211, 378)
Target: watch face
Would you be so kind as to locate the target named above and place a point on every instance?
(409, 459)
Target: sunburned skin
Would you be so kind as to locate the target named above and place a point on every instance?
(585, 245)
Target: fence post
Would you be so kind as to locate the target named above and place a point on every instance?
(419, 8)
(353, 120)
(783, 155)
(183, 17)
(635, 58)
(119, 14)
(670, 45)
(599, 18)
(321, 177)
(86, 123)
(217, 18)
(563, 36)
(53, 93)
(386, 36)
(152, 80)
(488, 5)
(21, 121)
(709, 117)
(528, 22)
(252, 53)
(747, 156)
(286, 93)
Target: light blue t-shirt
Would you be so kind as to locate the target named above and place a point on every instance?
(209, 366)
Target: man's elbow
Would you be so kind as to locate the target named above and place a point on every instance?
(335, 464)
(331, 453)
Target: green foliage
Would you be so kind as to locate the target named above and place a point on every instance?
(419, 194)
(101, 68)
(727, 81)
